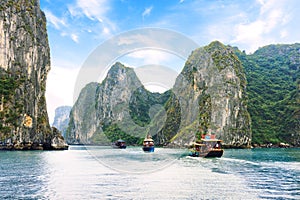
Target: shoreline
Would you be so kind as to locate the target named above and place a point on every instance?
(32, 147)
(47, 147)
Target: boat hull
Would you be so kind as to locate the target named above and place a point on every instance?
(214, 154)
(148, 149)
(210, 154)
(119, 144)
(119, 147)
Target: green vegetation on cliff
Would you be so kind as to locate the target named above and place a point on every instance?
(9, 105)
(240, 98)
(140, 103)
(113, 133)
(25, 63)
(273, 87)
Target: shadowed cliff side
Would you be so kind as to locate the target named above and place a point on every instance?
(273, 75)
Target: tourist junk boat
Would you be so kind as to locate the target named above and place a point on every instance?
(119, 144)
(208, 147)
(148, 144)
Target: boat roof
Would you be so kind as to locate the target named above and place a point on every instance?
(211, 140)
(148, 140)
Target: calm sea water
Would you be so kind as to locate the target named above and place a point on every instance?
(105, 173)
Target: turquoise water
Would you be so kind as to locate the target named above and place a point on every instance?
(105, 173)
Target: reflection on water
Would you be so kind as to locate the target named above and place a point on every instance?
(135, 160)
(104, 173)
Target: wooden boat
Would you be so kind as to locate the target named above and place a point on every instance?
(207, 147)
(120, 144)
(148, 144)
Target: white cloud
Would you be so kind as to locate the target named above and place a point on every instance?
(141, 39)
(272, 20)
(147, 11)
(250, 33)
(284, 33)
(97, 24)
(266, 28)
(55, 21)
(106, 31)
(150, 56)
(75, 38)
(156, 78)
(153, 57)
(268, 5)
(60, 88)
(95, 10)
(248, 25)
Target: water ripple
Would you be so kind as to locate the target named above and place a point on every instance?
(76, 174)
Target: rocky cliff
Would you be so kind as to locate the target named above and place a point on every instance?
(208, 98)
(83, 124)
(210, 95)
(61, 119)
(24, 65)
(119, 107)
(273, 74)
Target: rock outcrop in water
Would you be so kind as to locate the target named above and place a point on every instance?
(208, 97)
(118, 107)
(24, 65)
(211, 98)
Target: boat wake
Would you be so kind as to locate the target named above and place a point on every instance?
(134, 159)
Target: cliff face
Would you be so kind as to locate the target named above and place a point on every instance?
(211, 98)
(61, 119)
(24, 65)
(114, 94)
(208, 98)
(100, 105)
(273, 74)
(119, 107)
(83, 124)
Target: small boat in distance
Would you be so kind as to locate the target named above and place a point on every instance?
(120, 144)
(208, 147)
(148, 144)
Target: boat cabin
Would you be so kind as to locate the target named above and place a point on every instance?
(148, 144)
(207, 147)
(120, 144)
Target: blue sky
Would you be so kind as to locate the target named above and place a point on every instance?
(77, 27)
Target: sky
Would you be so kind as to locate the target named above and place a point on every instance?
(76, 28)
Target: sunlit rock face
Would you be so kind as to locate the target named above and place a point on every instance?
(118, 105)
(208, 98)
(24, 65)
(211, 98)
